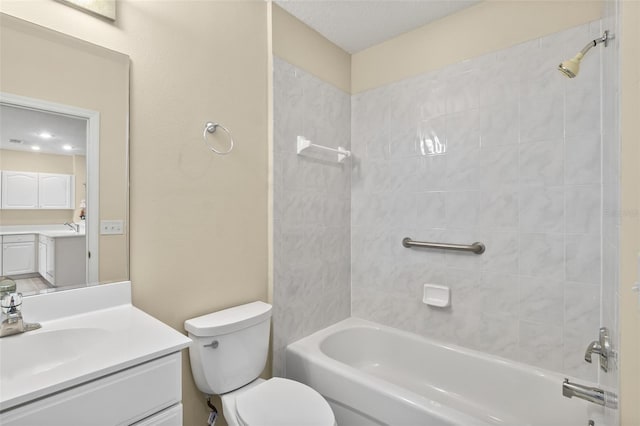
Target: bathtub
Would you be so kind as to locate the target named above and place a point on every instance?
(376, 375)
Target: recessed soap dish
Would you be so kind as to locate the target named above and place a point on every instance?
(436, 295)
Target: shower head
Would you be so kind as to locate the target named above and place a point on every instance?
(571, 67)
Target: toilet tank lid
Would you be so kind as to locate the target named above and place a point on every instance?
(228, 320)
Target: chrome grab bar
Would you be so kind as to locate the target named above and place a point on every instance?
(477, 248)
(589, 393)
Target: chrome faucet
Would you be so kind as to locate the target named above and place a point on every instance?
(602, 347)
(589, 393)
(12, 322)
(74, 226)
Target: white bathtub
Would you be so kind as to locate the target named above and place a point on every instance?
(373, 375)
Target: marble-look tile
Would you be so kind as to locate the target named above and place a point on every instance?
(542, 255)
(462, 169)
(499, 210)
(430, 211)
(542, 163)
(542, 209)
(584, 258)
(583, 209)
(462, 90)
(501, 253)
(499, 125)
(542, 117)
(498, 166)
(462, 129)
(500, 294)
(582, 159)
(581, 307)
(582, 110)
(461, 209)
(542, 300)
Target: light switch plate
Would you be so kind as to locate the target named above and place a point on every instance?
(111, 227)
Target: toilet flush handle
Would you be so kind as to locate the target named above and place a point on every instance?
(213, 345)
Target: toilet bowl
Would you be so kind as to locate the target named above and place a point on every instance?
(228, 353)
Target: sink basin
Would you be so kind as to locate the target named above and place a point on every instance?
(41, 351)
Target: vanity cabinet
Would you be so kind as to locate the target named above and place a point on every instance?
(148, 394)
(18, 254)
(26, 190)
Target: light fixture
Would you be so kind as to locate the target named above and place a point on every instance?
(67, 147)
(35, 147)
(45, 135)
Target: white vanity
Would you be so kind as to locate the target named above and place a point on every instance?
(97, 360)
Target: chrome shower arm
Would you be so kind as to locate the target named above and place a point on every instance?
(593, 43)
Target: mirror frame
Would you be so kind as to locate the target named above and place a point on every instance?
(92, 224)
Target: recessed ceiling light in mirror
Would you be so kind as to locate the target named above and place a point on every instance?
(67, 147)
(45, 135)
(35, 148)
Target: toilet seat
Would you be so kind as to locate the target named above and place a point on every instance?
(283, 402)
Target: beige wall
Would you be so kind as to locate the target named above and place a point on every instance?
(81, 75)
(198, 221)
(630, 233)
(22, 161)
(300, 45)
(488, 26)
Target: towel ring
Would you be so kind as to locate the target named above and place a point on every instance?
(211, 127)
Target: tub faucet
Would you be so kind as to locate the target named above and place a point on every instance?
(74, 226)
(12, 322)
(589, 393)
(602, 347)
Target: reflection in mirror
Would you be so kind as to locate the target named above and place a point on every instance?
(43, 169)
(75, 110)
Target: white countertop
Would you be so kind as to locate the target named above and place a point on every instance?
(51, 231)
(94, 344)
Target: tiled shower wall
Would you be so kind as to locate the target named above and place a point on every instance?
(500, 149)
(311, 208)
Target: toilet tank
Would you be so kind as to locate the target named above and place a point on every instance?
(229, 347)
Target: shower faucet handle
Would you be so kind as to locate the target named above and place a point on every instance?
(603, 348)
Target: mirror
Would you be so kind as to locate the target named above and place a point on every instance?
(64, 107)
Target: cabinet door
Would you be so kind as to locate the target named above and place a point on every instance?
(18, 258)
(55, 191)
(122, 398)
(19, 190)
(42, 259)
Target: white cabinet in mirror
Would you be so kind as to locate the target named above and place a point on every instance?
(28, 190)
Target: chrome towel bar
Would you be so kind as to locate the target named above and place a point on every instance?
(477, 248)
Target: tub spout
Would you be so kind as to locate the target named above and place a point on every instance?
(589, 393)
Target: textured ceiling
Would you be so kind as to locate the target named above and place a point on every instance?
(20, 129)
(355, 25)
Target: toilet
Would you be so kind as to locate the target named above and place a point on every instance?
(228, 353)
